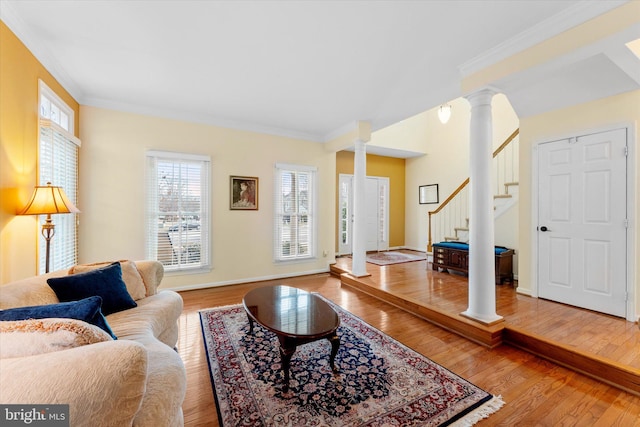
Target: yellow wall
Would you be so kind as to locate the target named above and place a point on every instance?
(112, 170)
(602, 114)
(380, 166)
(19, 74)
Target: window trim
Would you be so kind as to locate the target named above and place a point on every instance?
(151, 226)
(277, 245)
(58, 133)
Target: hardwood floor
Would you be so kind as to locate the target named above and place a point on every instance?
(536, 392)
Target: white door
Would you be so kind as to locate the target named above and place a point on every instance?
(582, 221)
(376, 213)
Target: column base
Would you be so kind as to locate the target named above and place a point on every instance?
(485, 320)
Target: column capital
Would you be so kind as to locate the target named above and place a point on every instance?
(481, 97)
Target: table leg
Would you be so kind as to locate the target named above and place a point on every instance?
(335, 345)
(286, 351)
(250, 324)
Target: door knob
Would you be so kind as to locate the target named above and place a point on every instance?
(544, 228)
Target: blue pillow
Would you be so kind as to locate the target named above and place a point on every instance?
(87, 310)
(104, 282)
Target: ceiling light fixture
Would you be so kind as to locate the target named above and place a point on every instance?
(444, 113)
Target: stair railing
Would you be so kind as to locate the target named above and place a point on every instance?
(454, 211)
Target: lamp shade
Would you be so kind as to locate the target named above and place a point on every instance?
(47, 199)
(444, 113)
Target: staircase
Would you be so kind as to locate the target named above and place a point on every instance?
(450, 221)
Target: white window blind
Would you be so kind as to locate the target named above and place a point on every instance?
(178, 208)
(294, 203)
(58, 164)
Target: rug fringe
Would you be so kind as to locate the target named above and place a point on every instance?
(480, 413)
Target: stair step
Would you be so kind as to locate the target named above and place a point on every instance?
(507, 184)
(461, 228)
(502, 196)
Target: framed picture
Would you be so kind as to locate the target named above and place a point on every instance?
(428, 194)
(243, 193)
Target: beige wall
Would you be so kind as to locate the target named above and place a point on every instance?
(615, 111)
(447, 161)
(380, 166)
(112, 174)
(19, 74)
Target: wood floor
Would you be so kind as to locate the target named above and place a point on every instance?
(537, 392)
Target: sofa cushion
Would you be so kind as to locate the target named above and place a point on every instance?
(104, 282)
(19, 338)
(87, 310)
(130, 276)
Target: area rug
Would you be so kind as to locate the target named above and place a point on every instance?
(379, 382)
(393, 257)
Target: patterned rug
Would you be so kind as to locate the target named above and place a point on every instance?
(380, 382)
(393, 257)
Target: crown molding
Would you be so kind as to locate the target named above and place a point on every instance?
(570, 17)
(12, 19)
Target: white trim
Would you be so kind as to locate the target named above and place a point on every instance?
(570, 17)
(246, 280)
(12, 19)
(632, 200)
(296, 167)
(178, 156)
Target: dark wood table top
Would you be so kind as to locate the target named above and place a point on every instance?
(291, 312)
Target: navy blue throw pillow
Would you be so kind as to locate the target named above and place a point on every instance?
(87, 310)
(104, 282)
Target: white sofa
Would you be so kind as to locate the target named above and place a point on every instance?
(137, 380)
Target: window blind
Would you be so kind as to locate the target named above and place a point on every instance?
(294, 216)
(178, 210)
(58, 164)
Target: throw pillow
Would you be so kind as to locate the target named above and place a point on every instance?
(104, 282)
(87, 310)
(19, 338)
(130, 276)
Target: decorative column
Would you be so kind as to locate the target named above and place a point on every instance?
(359, 247)
(482, 291)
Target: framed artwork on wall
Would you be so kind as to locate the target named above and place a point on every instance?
(243, 193)
(428, 194)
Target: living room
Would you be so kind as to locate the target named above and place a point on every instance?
(112, 194)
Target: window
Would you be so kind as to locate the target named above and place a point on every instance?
(178, 210)
(295, 229)
(58, 164)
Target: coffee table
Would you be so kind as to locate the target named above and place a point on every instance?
(296, 317)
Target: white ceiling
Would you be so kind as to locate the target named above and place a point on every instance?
(303, 69)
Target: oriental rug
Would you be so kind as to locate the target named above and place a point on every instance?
(379, 382)
(393, 257)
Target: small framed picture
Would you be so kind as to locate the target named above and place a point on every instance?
(243, 193)
(428, 194)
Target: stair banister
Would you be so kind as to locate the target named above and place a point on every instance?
(463, 185)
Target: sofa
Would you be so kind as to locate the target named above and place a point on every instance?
(120, 371)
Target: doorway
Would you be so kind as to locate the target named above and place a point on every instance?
(376, 214)
(582, 221)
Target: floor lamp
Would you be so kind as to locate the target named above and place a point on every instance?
(48, 200)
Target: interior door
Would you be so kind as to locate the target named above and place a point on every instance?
(582, 221)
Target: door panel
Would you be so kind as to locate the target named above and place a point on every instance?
(582, 212)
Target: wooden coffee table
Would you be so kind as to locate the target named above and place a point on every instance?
(296, 317)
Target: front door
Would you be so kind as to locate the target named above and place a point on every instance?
(582, 221)
(376, 213)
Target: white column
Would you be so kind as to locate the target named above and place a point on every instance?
(359, 262)
(482, 291)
